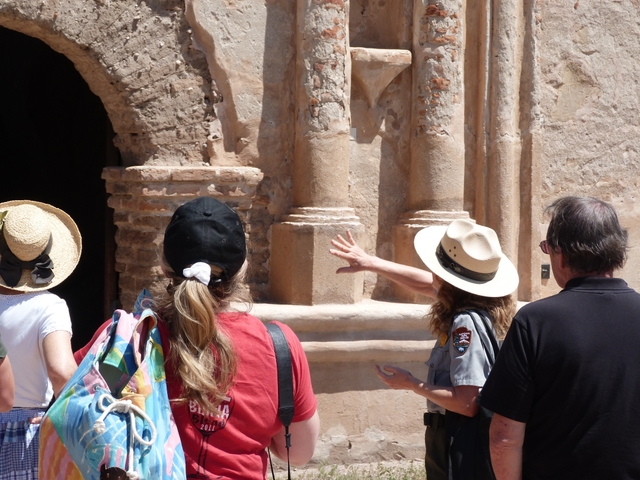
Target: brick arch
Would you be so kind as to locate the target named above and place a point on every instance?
(141, 61)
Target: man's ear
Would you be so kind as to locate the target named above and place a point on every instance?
(562, 258)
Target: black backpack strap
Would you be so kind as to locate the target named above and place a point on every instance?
(285, 383)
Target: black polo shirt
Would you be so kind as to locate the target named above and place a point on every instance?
(570, 369)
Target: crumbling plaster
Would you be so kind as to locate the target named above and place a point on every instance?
(250, 51)
(139, 58)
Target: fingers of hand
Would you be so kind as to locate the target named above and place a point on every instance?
(390, 369)
(336, 243)
(350, 237)
(340, 243)
(383, 371)
(385, 378)
(342, 256)
(349, 241)
(392, 379)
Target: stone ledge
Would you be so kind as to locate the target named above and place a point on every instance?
(364, 315)
(380, 351)
(367, 331)
(246, 175)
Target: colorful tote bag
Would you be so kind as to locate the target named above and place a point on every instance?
(113, 419)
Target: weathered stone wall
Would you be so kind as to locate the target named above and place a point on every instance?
(590, 136)
(361, 419)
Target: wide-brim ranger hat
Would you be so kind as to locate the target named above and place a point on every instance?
(469, 257)
(205, 230)
(40, 245)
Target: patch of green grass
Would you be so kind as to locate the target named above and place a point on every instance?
(381, 471)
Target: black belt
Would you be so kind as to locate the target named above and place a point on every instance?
(433, 420)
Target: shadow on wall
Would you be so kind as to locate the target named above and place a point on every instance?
(55, 139)
(276, 135)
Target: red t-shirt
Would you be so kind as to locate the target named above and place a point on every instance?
(232, 446)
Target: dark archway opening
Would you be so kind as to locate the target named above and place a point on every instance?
(55, 139)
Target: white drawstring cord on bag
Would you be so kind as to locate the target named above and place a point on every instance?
(127, 407)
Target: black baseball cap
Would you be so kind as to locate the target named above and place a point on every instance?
(205, 230)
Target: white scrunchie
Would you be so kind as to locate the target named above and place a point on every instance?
(200, 270)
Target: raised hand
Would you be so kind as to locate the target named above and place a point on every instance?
(348, 250)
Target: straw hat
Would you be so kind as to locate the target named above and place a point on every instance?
(38, 242)
(469, 257)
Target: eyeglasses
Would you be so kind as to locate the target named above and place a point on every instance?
(544, 246)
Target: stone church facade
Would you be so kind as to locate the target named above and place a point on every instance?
(311, 117)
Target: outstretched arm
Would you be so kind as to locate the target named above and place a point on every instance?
(414, 279)
(7, 386)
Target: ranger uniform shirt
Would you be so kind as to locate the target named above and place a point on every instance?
(459, 358)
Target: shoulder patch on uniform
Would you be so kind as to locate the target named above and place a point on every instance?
(461, 339)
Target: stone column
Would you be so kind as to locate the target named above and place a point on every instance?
(504, 136)
(302, 270)
(436, 179)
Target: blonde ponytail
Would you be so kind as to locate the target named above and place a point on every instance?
(201, 353)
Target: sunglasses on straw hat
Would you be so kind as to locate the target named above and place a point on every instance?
(40, 245)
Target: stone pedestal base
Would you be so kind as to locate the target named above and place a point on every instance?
(404, 233)
(302, 271)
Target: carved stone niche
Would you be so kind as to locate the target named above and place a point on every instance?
(373, 69)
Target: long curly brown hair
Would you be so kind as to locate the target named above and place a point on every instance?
(451, 301)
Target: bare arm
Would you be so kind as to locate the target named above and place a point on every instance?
(304, 436)
(460, 399)
(506, 440)
(58, 358)
(414, 279)
(7, 387)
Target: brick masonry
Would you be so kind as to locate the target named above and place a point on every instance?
(143, 200)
